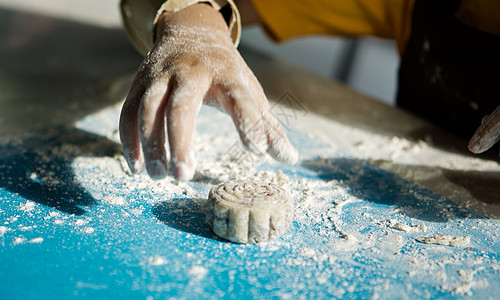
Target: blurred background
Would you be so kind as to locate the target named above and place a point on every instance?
(368, 65)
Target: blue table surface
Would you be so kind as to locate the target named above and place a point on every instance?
(76, 224)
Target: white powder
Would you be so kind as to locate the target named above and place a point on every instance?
(406, 228)
(18, 240)
(157, 261)
(88, 230)
(135, 211)
(418, 161)
(27, 206)
(446, 240)
(307, 252)
(197, 272)
(3, 230)
(51, 214)
(37, 240)
(114, 200)
(80, 222)
(321, 203)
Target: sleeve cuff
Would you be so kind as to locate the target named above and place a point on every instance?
(140, 16)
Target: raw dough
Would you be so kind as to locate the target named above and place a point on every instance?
(446, 240)
(248, 211)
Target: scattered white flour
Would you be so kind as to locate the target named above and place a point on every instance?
(278, 177)
(135, 211)
(157, 261)
(52, 214)
(403, 227)
(80, 222)
(418, 161)
(19, 240)
(307, 252)
(346, 243)
(88, 230)
(114, 200)
(197, 272)
(3, 230)
(446, 240)
(85, 285)
(27, 206)
(319, 203)
(37, 240)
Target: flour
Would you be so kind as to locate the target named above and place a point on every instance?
(340, 229)
(3, 230)
(157, 261)
(88, 230)
(52, 214)
(37, 240)
(27, 206)
(136, 211)
(114, 200)
(419, 161)
(18, 240)
(277, 177)
(197, 272)
(446, 240)
(80, 222)
(403, 227)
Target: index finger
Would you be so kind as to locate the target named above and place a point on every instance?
(488, 134)
(183, 107)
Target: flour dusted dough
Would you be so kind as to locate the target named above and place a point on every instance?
(247, 211)
(446, 240)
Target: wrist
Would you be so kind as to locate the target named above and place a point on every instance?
(140, 18)
(197, 15)
(225, 9)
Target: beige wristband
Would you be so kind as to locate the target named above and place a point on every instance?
(140, 16)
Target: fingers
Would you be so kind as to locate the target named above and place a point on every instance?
(129, 130)
(152, 127)
(184, 104)
(280, 147)
(258, 129)
(246, 113)
(488, 134)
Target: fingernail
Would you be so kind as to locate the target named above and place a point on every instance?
(135, 165)
(183, 171)
(292, 156)
(474, 146)
(284, 152)
(156, 169)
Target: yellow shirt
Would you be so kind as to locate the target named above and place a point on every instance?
(381, 18)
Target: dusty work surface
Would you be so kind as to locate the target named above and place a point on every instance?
(385, 207)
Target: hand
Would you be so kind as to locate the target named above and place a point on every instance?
(193, 62)
(488, 134)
